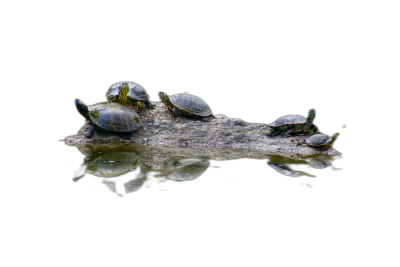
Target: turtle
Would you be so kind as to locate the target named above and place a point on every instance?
(321, 141)
(293, 124)
(111, 117)
(187, 105)
(129, 93)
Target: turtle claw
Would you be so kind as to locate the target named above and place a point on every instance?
(150, 105)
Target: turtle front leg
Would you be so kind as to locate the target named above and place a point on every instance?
(136, 105)
(206, 119)
(287, 134)
(149, 105)
(90, 133)
(112, 98)
(175, 113)
(273, 132)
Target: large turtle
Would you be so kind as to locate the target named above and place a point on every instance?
(187, 105)
(129, 93)
(294, 124)
(110, 117)
(322, 141)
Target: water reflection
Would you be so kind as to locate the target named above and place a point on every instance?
(285, 170)
(189, 172)
(112, 163)
(294, 166)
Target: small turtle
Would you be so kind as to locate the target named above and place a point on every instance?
(129, 93)
(293, 124)
(187, 105)
(322, 141)
(110, 117)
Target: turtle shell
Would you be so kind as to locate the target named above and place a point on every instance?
(191, 104)
(114, 117)
(288, 120)
(136, 91)
(318, 140)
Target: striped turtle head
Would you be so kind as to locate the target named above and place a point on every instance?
(310, 119)
(335, 136)
(163, 96)
(82, 108)
(123, 88)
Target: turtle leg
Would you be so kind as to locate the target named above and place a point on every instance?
(112, 98)
(137, 106)
(301, 142)
(287, 134)
(206, 119)
(175, 113)
(126, 136)
(149, 105)
(273, 132)
(91, 130)
(316, 131)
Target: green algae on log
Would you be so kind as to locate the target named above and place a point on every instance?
(161, 128)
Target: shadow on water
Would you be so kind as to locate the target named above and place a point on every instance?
(177, 164)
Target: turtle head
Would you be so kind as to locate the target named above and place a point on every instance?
(124, 87)
(82, 108)
(310, 119)
(335, 136)
(164, 97)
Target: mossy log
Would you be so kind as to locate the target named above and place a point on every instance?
(161, 128)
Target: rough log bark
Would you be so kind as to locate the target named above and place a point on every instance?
(161, 128)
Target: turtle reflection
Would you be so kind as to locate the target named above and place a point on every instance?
(113, 161)
(113, 164)
(125, 168)
(285, 170)
(285, 165)
(318, 163)
(189, 172)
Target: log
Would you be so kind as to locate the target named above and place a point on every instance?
(161, 128)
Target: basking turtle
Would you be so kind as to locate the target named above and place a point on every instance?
(187, 105)
(322, 141)
(110, 117)
(293, 124)
(129, 93)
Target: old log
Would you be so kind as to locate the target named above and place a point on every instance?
(161, 128)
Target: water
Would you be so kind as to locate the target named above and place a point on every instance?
(126, 169)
